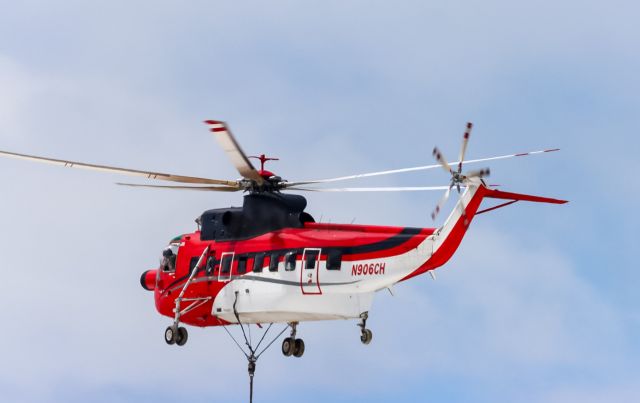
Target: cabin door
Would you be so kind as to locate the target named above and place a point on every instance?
(309, 269)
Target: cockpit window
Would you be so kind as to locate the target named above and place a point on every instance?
(193, 263)
(169, 255)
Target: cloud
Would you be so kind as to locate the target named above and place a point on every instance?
(538, 310)
(594, 393)
(17, 91)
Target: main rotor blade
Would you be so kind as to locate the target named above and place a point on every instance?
(134, 172)
(465, 142)
(374, 189)
(440, 158)
(413, 169)
(234, 152)
(441, 203)
(201, 188)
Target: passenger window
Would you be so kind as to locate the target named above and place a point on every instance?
(225, 265)
(275, 259)
(258, 262)
(290, 261)
(334, 260)
(242, 265)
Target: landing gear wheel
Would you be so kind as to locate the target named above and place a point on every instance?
(170, 335)
(288, 346)
(299, 348)
(366, 336)
(182, 336)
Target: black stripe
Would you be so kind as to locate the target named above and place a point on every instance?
(404, 236)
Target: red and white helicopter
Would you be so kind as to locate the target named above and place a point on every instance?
(270, 262)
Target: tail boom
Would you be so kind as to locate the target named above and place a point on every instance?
(447, 239)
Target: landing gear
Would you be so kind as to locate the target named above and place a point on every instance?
(299, 350)
(366, 335)
(183, 335)
(170, 336)
(176, 335)
(292, 346)
(288, 345)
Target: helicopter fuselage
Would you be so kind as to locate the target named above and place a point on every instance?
(309, 271)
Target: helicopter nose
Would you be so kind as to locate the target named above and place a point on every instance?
(148, 279)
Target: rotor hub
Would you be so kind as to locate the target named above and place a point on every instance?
(457, 177)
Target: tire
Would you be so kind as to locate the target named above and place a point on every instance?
(366, 336)
(288, 346)
(299, 348)
(183, 336)
(170, 336)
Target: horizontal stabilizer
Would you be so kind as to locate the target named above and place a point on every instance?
(498, 194)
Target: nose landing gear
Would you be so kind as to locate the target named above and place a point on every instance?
(176, 335)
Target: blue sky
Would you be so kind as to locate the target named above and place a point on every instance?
(540, 303)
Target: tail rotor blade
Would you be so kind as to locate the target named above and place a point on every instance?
(465, 142)
(481, 173)
(441, 203)
(440, 158)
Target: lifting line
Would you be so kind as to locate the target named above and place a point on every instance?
(252, 358)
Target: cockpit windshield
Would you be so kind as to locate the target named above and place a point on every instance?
(169, 255)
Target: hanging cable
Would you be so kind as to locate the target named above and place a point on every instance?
(252, 358)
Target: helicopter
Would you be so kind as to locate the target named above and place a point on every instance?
(269, 261)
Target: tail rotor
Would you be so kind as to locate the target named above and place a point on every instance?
(458, 179)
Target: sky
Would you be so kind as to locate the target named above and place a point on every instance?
(539, 304)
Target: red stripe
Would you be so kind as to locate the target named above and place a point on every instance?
(521, 155)
(554, 149)
(219, 129)
(213, 122)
